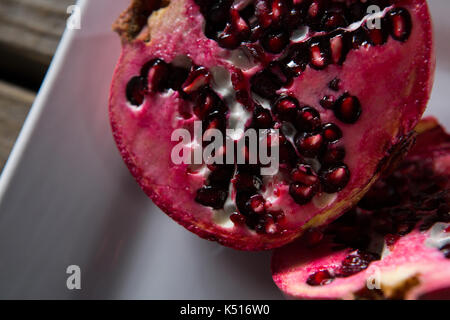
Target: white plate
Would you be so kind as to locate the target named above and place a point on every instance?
(66, 197)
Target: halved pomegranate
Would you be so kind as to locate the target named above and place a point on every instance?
(395, 244)
(345, 98)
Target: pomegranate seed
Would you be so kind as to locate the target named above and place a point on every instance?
(320, 278)
(318, 56)
(359, 38)
(206, 102)
(265, 84)
(332, 155)
(237, 218)
(304, 174)
(331, 132)
(228, 39)
(198, 78)
(286, 107)
(314, 9)
(270, 225)
(256, 204)
(156, 72)
(211, 197)
(279, 216)
(135, 90)
(334, 84)
(307, 119)
(327, 102)
(309, 144)
(279, 10)
(338, 47)
(335, 179)
(302, 194)
(296, 59)
(239, 25)
(275, 41)
(377, 37)
(333, 20)
(262, 118)
(262, 12)
(401, 24)
(355, 263)
(348, 109)
(176, 77)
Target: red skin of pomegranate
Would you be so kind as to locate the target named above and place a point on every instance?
(392, 82)
(412, 266)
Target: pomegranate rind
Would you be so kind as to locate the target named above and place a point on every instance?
(411, 270)
(147, 152)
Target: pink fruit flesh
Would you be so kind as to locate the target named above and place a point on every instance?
(397, 236)
(178, 66)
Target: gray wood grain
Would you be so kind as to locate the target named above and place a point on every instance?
(33, 27)
(15, 103)
(30, 31)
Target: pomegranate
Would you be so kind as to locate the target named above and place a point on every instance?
(394, 245)
(343, 96)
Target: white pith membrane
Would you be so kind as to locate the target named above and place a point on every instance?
(216, 222)
(412, 264)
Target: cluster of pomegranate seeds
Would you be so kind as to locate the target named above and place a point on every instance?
(267, 28)
(412, 197)
(352, 264)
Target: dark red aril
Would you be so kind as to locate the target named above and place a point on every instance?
(307, 119)
(359, 38)
(309, 144)
(256, 204)
(335, 178)
(318, 53)
(206, 102)
(334, 84)
(332, 154)
(275, 41)
(237, 218)
(327, 102)
(355, 263)
(135, 90)
(156, 72)
(332, 20)
(210, 196)
(348, 109)
(265, 84)
(262, 118)
(339, 47)
(305, 175)
(400, 21)
(198, 77)
(320, 278)
(302, 194)
(286, 107)
(331, 132)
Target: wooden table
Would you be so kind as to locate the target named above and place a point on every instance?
(29, 34)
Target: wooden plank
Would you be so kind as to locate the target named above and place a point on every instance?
(29, 34)
(14, 106)
(33, 27)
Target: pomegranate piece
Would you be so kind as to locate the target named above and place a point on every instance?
(394, 245)
(344, 98)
